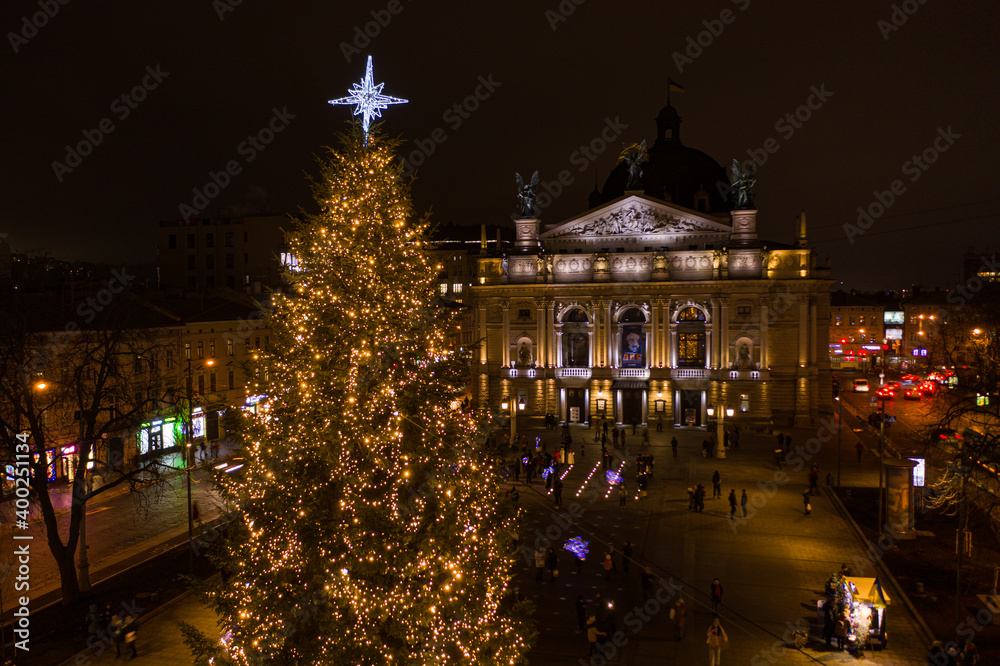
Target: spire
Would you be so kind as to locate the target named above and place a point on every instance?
(800, 230)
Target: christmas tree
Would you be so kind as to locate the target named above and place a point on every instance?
(370, 526)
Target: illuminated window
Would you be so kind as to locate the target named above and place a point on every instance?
(444, 288)
(837, 321)
(229, 347)
(456, 288)
(744, 403)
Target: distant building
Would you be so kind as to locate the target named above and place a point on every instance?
(234, 252)
(984, 266)
(858, 329)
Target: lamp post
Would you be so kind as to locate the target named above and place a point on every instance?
(720, 425)
(507, 404)
(189, 456)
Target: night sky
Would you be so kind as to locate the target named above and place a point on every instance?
(216, 73)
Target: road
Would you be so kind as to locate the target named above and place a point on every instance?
(117, 528)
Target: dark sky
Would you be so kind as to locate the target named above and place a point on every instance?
(894, 92)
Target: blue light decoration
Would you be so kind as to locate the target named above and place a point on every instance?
(547, 471)
(614, 478)
(525, 460)
(578, 547)
(368, 98)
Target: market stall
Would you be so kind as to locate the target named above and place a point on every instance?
(866, 601)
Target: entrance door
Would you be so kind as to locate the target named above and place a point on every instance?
(632, 406)
(690, 408)
(576, 397)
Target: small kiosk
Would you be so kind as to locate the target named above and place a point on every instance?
(866, 601)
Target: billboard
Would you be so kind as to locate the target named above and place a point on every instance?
(633, 346)
(897, 317)
(893, 334)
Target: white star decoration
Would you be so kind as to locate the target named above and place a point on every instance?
(369, 99)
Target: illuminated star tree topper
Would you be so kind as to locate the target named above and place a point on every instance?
(368, 98)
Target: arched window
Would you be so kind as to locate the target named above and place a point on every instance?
(632, 337)
(575, 339)
(691, 338)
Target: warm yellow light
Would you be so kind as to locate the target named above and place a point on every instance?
(730, 411)
(504, 404)
(710, 411)
(209, 362)
(40, 385)
(977, 331)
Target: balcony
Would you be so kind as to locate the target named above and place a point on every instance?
(631, 373)
(746, 375)
(690, 373)
(573, 373)
(514, 373)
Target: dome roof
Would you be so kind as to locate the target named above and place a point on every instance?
(684, 176)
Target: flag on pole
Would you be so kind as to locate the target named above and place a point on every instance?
(674, 86)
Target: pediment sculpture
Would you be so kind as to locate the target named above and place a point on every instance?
(632, 220)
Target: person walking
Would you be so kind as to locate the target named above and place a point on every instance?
(557, 492)
(840, 629)
(621, 494)
(678, 614)
(647, 584)
(860, 448)
(614, 562)
(716, 485)
(607, 566)
(621, 437)
(131, 630)
(552, 562)
(614, 437)
(829, 621)
(659, 424)
(581, 612)
(673, 446)
(517, 470)
(691, 499)
(736, 437)
(716, 594)
(593, 634)
(605, 428)
(743, 502)
(717, 639)
(539, 564)
(814, 478)
(732, 504)
(807, 501)
(626, 556)
(699, 498)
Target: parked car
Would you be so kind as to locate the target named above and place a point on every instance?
(861, 386)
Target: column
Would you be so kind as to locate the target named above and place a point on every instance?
(803, 333)
(813, 343)
(540, 339)
(590, 345)
(654, 346)
(672, 352)
(482, 333)
(559, 349)
(717, 337)
(724, 361)
(709, 345)
(764, 315)
(609, 332)
(505, 341)
(551, 360)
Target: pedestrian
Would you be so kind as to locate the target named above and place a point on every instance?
(645, 437)
(581, 612)
(717, 639)
(626, 556)
(860, 448)
(725, 439)
(732, 504)
(621, 494)
(647, 583)
(788, 441)
(92, 621)
(736, 437)
(829, 621)
(607, 566)
(814, 478)
(131, 629)
(743, 502)
(539, 564)
(557, 492)
(195, 513)
(614, 436)
(673, 446)
(514, 496)
(699, 498)
(115, 629)
(806, 501)
(677, 614)
(716, 594)
(614, 562)
(552, 561)
(621, 437)
(781, 441)
(659, 424)
(593, 634)
(690, 499)
(716, 485)
(605, 428)
(840, 629)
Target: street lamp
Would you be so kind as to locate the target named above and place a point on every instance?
(506, 404)
(720, 425)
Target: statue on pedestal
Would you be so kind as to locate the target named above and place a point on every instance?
(633, 156)
(742, 185)
(743, 361)
(526, 195)
(524, 356)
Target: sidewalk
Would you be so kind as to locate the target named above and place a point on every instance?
(772, 565)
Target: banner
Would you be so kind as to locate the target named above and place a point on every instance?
(633, 346)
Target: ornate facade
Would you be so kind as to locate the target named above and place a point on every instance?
(640, 309)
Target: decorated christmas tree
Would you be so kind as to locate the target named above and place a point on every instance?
(370, 526)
